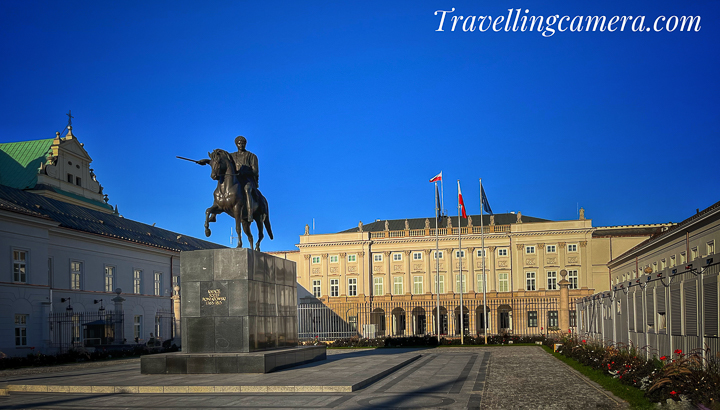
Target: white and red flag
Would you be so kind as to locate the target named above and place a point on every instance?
(461, 204)
(437, 177)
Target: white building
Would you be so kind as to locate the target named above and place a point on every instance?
(64, 251)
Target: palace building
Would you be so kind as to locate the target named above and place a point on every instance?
(382, 278)
(75, 273)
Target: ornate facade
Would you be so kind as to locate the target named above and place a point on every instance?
(389, 265)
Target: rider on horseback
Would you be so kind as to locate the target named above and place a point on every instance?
(246, 165)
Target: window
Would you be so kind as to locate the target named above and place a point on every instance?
(683, 258)
(316, 288)
(417, 256)
(572, 247)
(158, 284)
(352, 258)
(503, 284)
(333, 259)
(711, 247)
(460, 254)
(70, 178)
(480, 283)
(334, 287)
(417, 285)
(663, 264)
(457, 283)
(77, 181)
(19, 266)
(693, 253)
(553, 318)
(529, 249)
(76, 269)
(572, 318)
(532, 318)
(377, 257)
(315, 260)
(573, 279)
(662, 321)
(439, 282)
(352, 287)
(672, 262)
(502, 252)
(137, 281)
(552, 280)
(655, 266)
(549, 249)
(397, 256)
(378, 286)
(398, 285)
(20, 330)
(109, 278)
(480, 253)
(438, 254)
(529, 280)
(137, 327)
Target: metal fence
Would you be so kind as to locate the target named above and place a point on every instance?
(675, 309)
(526, 316)
(84, 329)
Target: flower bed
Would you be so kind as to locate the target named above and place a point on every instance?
(679, 376)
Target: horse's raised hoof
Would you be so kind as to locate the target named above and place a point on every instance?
(207, 232)
(257, 248)
(239, 245)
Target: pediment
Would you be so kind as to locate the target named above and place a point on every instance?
(74, 147)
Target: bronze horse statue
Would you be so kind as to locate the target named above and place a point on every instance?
(229, 197)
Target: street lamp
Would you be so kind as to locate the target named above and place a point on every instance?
(102, 308)
(69, 308)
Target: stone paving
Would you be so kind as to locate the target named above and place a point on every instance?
(517, 377)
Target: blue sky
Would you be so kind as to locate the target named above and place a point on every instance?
(352, 106)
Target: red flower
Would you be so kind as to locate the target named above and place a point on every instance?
(678, 351)
(584, 341)
(663, 358)
(619, 377)
(673, 392)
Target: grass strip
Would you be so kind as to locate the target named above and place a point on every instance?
(634, 396)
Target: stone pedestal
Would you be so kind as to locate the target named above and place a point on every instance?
(235, 301)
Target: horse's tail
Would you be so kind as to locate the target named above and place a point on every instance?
(267, 218)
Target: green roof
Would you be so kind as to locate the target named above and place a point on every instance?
(20, 161)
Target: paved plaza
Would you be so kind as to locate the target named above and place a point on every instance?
(516, 377)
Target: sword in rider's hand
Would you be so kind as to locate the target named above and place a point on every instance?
(191, 160)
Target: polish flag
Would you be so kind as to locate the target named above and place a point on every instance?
(460, 202)
(437, 177)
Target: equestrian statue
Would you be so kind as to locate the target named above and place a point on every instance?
(237, 192)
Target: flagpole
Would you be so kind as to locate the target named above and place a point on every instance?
(437, 260)
(482, 244)
(442, 196)
(462, 328)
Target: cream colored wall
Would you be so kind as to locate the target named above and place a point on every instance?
(589, 261)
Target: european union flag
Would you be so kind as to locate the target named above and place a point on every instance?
(484, 201)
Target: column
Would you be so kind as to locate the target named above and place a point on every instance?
(176, 313)
(429, 283)
(490, 274)
(117, 314)
(408, 273)
(471, 280)
(324, 270)
(450, 281)
(585, 271)
(516, 282)
(563, 311)
(388, 273)
(343, 274)
(540, 279)
(362, 277)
